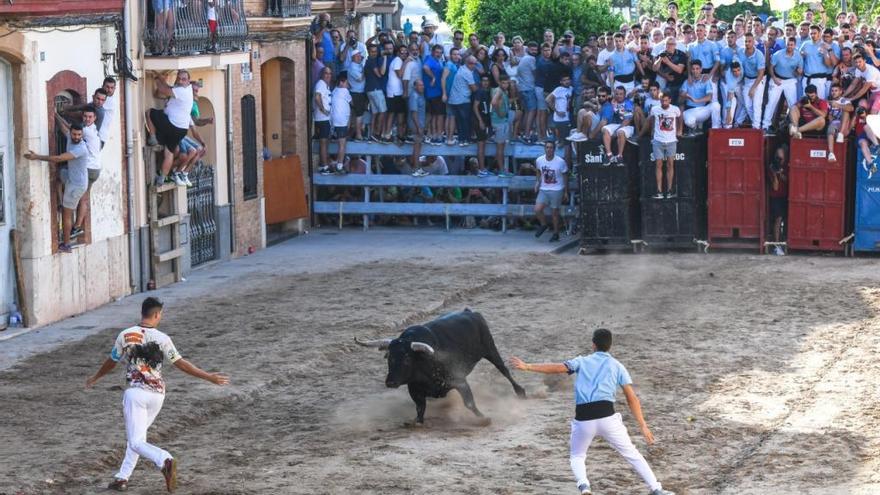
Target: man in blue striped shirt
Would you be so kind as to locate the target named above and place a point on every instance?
(598, 376)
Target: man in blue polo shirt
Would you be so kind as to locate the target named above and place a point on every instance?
(785, 68)
(818, 62)
(752, 61)
(598, 376)
(623, 64)
(696, 100)
(706, 52)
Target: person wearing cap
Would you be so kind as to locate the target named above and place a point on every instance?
(598, 376)
(785, 68)
(145, 349)
(566, 44)
(430, 29)
(753, 67)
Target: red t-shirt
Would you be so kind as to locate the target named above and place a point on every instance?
(808, 114)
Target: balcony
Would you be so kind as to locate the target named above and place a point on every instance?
(281, 16)
(183, 29)
(360, 6)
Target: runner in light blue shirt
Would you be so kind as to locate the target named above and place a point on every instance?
(751, 63)
(705, 51)
(787, 64)
(597, 378)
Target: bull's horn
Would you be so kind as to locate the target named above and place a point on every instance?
(380, 344)
(421, 347)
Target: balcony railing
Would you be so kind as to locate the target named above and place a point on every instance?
(289, 8)
(183, 29)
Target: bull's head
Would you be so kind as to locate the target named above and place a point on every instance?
(402, 356)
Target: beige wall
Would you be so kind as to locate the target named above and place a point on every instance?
(61, 285)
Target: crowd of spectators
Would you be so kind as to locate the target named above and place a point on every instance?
(817, 77)
(86, 128)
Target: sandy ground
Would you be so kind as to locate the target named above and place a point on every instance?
(758, 375)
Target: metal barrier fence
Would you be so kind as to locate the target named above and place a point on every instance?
(202, 224)
(289, 8)
(182, 28)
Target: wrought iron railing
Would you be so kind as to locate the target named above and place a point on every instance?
(289, 8)
(183, 29)
(202, 224)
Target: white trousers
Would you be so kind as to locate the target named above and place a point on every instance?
(787, 88)
(628, 86)
(734, 105)
(140, 408)
(694, 117)
(755, 104)
(612, 430)
(822, 86)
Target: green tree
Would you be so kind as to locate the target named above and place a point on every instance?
(529, 18)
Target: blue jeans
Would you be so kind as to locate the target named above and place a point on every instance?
(462, 113)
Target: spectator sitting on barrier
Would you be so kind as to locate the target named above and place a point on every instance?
(322, 119)
(839, 115)
(587, 119)
(551, 186)
(481, 108)
(808, 114)
(696, 100)
(867, 141)
(867, 83)
(340, 116)
(778, 175)
(73, 180)
(620, 125)
(666, 120)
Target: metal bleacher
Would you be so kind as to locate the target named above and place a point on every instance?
(368, 207)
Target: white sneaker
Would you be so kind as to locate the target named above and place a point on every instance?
(778, 251)
(661, 491)
(584, 488)
(185, 176)
(420, 173)
(831, 157)
(793, 130)
(178, 179)
(577, 136)
(839, 137)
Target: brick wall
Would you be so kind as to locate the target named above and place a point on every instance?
(247, 220)
(294, 93)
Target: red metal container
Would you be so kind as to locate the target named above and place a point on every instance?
(818, 206)
(737, 196)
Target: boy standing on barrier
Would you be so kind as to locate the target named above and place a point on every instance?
(666, 120)
(598, 377)
(551, 187)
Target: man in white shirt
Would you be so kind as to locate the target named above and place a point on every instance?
(340, 115)
(110, 107)
(394, 95)
(144, 349)
(170, 126)
(666, 119)
(867, 83)
(560, 100)
(551, 186)
(321, 115)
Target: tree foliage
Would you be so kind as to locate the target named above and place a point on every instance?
(529, 18)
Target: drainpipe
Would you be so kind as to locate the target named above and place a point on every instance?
(230, 162)
(134, 258)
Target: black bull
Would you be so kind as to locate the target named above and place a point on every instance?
(436, 357)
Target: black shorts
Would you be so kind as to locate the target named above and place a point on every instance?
(322, 129)
(778, 208)
(396, 104)
(482, 134)
(436, 106)
(359, 104)
(167, 134)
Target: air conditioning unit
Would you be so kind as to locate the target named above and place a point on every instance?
(108, 40)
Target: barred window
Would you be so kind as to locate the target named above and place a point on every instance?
(249, 145)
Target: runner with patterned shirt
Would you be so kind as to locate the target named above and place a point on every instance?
(145, 349)
(667, 129)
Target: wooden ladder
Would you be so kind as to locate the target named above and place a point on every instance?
(166, 265)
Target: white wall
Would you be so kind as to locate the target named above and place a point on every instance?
(79, 51)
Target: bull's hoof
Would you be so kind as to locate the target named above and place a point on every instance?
(521, 393)
(484, 421)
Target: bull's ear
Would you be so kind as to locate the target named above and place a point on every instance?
(422, 347)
